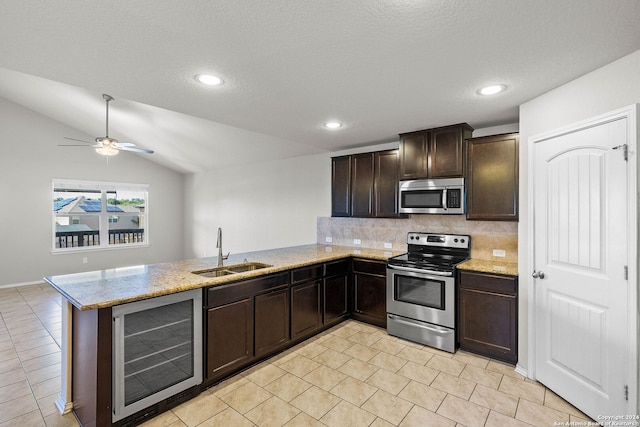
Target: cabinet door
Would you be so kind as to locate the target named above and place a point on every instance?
(446, 151)
(271, 321)
(413, 155)
(488, 315)
(305, 308)
(229, 337)
(386, 183)
(492, 178)
(341, 186)
(370, 303)
(362, 185)
(335, 298)
(488, 324)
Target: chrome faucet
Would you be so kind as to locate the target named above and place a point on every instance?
(221, 258)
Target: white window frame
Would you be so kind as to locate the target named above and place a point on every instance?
(104, 216)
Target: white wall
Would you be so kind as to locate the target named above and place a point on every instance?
(611, 87)
(259, 206)
(30, 159)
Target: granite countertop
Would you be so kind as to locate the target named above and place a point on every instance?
(106, 288)
(493, 267)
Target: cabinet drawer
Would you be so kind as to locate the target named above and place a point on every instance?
(223, 294)
(370, 267)
(489, 283)
(336, 268)
(306, 274)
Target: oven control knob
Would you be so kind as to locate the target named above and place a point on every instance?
(461, 240)
(455, 240)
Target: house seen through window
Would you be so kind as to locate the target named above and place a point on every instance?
(94, 215)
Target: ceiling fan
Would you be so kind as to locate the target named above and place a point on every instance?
(104, 144)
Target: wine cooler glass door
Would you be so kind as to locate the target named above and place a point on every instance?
(157, 350)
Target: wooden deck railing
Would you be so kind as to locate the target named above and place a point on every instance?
(74, 239)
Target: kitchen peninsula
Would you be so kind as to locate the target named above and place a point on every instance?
(303, 290)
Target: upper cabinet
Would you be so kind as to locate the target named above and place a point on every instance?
(492, 177)
(341, 186)
(434, 153)
(365, 185)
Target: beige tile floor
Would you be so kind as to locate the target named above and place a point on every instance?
(351, 375)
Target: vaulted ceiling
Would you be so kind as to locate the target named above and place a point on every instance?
(380, 67)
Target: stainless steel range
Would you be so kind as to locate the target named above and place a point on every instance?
(421, 289)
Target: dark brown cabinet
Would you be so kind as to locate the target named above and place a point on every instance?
(341, 186)
(492, 177)
(488, 315)
(229, 337)
(434, 153)
(271, 321)
(414, 152)
(365, 185)
(306, 317)
(335, 292)
(370, 292)
(362, 185)
(245, 320)
(386, 183)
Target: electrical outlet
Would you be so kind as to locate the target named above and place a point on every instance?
(357, 241)
(500, 253)
(388, 246)
(85, 260)
(328, 239)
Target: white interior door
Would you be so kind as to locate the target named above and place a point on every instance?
(582, 317)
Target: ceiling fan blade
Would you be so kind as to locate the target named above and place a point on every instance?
(79, 140)
(136, 150)
(78, 145)
(126, 144)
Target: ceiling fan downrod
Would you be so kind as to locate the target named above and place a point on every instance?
(107, 98)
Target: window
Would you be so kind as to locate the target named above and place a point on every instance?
(98, 215)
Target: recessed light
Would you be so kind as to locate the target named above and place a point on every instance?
(491, 90)
(208, 79)
(333, 125)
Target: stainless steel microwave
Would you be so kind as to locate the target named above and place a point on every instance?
(432, 196)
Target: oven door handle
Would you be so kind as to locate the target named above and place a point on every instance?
(420, 271)
(432, 328)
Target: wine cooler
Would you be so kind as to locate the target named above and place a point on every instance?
(157, 350)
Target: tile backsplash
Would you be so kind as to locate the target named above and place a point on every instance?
(486, 236)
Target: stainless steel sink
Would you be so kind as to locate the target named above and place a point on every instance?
(231, 269)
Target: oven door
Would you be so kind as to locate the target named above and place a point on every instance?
(418, 295)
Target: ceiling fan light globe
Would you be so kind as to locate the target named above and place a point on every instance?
(106, 150)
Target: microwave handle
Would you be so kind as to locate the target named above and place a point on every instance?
(444, 199)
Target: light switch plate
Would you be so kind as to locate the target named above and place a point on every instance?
(500, 253)
(328, 239)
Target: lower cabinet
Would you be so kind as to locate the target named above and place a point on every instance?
(271, 321)
(335, 293)
(245, 320)
(370, 292)
(229, 337)
(305, 309)
(488, 315)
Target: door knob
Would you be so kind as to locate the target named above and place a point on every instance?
(537, 274)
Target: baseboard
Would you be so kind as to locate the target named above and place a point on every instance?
(17, 285)
(522, 371)
(63, 406)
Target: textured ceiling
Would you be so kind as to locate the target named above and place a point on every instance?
(381, 67)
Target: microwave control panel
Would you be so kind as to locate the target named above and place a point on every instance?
(454, 198)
